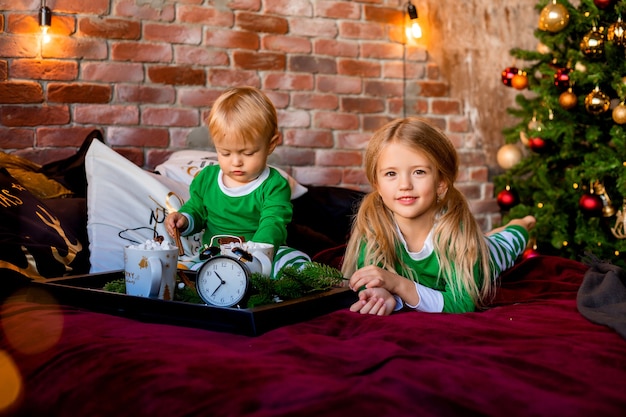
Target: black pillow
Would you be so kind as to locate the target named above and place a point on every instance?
(71, 171)
(322, 218)
(328, 210)
(34, 243)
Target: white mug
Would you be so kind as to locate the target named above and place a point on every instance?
(150, 272)
(262, 254)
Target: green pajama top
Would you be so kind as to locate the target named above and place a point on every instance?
(435, 296)
(258, 211)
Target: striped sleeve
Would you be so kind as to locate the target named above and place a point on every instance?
(505, 247)
(287, 256)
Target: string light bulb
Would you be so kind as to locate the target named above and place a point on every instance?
(413, 30)
(45, 19)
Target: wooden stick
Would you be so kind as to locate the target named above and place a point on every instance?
(179, 243)
(185, 279)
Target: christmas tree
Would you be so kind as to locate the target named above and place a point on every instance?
(565, 162)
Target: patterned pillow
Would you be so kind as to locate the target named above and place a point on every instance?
(27, 173)
(34, 244)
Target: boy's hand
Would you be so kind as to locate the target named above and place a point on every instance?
(175, 221)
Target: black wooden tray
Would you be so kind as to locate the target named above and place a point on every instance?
(85, 291)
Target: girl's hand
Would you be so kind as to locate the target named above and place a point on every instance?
(376, 301)
(372, 277)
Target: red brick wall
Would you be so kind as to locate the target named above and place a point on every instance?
(146, 72)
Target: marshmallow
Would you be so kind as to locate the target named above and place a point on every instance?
(152, 244)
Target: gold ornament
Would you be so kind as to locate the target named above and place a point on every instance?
(592, 44)
(535, 125)
(607, 207)
(508, 156)
(523, 137)
(619, 114)
(543, 49)
(617, 33)
(568, 99)
(597, 102)
(519, 80)
(554, 17)
(619, 230)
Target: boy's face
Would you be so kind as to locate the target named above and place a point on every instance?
(242, 161)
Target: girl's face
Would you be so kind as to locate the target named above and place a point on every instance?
(243, 161)
(407, 182)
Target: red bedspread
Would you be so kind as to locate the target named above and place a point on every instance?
(532, 354)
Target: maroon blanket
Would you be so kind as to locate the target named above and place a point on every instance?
(532, 354)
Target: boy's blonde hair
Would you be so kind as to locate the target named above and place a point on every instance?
(243, 113)
(459, 242)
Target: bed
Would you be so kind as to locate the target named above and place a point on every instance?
(552, 342)
(532, 353)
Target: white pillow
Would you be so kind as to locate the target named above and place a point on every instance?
(125, 205)
(183, 166)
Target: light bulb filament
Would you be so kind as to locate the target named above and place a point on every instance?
(416, 30)
(44, 34)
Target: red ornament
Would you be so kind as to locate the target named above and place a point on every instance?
(591, 204)
(530, 253)
(508, 74)
(602, 4)
(537, 144)
(561, 78)
(507, 199)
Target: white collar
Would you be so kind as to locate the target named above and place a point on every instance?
(426, 250)
(242, 189)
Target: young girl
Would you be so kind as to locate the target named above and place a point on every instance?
(414, 240)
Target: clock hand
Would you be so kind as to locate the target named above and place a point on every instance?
(222, 282)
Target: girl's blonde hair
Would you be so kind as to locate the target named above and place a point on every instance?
(243, 113)
(459, 243)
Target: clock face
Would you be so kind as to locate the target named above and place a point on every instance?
(222, 281)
